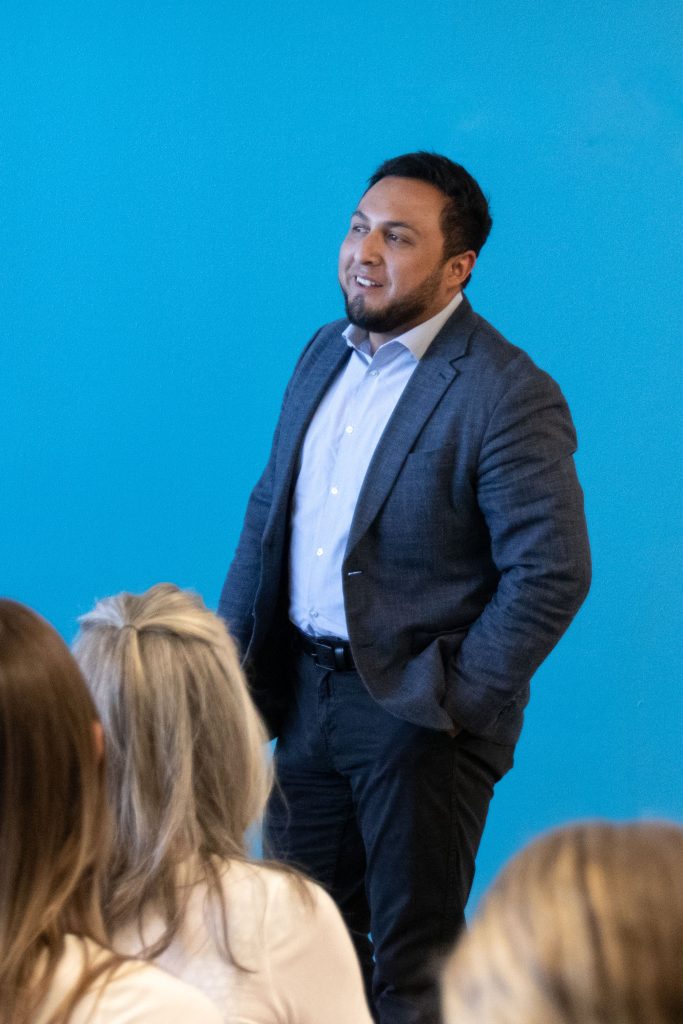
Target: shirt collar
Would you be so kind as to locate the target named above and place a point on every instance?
(417, 340)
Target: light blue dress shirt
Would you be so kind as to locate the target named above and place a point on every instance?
(336, 453)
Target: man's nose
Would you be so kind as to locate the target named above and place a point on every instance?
(368, 250)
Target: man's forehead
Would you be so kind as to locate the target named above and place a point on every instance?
(402, 199)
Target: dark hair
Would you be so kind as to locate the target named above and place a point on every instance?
(466, 221)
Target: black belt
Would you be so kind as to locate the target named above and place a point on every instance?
(327, 651)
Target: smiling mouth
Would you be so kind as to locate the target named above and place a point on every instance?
(366, 282)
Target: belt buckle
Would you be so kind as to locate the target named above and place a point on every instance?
(323, 655)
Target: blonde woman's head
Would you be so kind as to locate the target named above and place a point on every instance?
(186, 768)
(584, 926)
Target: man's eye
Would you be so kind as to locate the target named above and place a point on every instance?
(391, 237)
(358, 229)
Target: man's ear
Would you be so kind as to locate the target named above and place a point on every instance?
(460, 267)
(98, 736)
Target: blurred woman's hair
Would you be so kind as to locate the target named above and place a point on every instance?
(584, 926)
(186, 768)
(53, 825)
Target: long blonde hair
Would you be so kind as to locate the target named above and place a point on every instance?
(186, 768)
(52, 813)
(584, 926)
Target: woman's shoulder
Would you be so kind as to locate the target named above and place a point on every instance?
(129, 992)
(283, 901)
(266, 907)
(272, 888)
(309, 967)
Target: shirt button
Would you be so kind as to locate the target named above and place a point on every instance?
(374, 373)
(314, 615)
(349, 429)
(334, 490)
(319, 552)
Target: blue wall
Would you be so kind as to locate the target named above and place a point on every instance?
(175, 180)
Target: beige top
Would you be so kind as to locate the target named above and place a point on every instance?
(136, 994)
(297, 962)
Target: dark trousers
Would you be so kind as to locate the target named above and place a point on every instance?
(387, 816)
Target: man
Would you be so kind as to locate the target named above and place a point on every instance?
(414, 549)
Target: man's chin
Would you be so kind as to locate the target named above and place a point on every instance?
(368, 319)
(380, 321)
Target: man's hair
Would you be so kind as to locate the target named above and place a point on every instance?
(466, 221)
(584, 924)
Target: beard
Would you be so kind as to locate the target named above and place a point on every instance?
(406, 310)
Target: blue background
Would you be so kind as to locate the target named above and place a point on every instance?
(175, 181)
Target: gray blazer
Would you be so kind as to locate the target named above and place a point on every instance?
(468, 553)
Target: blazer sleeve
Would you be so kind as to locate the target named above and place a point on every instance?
(532, 502)
(239, 591)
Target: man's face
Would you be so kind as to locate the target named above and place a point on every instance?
(391, 265)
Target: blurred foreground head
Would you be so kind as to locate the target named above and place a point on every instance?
(52, 814)
(584, 926)
(186, 770)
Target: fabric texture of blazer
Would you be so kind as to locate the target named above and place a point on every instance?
(468, 553)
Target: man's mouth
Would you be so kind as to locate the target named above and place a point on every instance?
(366, 282)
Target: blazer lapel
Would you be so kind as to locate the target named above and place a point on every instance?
(315, 374)
(434, 374)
